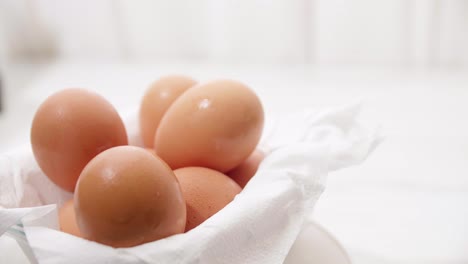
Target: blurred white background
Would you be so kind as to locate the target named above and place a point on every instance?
(407, 58)
(426, 33)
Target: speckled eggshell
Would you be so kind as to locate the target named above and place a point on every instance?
(215, 125)
(126, 196)
(206, 192)
(69, 129)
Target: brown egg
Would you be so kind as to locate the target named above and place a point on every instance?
(247, 169)
(126, 196)
(157, 100)
(67, 219)
(205, 191)
(69, 129)
(215, 125)
(150, 150)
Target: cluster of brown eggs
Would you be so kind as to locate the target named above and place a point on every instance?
(200, 151)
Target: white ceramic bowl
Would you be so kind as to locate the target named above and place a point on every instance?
(315, 245)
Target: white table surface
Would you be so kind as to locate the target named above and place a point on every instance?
(406, 204)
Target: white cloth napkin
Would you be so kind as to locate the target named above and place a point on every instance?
(259, 226)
